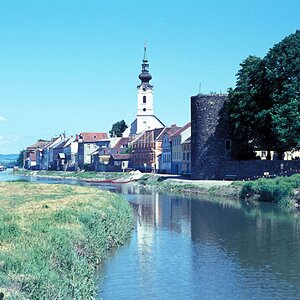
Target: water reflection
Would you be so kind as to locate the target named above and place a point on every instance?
(8, 175)
(196, 249)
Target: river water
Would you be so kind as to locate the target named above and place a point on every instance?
(183, 248)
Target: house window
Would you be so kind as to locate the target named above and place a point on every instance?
(228, 145)
(183, 156)
(188, 156)
(144, 99)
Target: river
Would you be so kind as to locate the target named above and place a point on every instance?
(184, 248)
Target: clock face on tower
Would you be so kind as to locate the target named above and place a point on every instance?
(144, 88)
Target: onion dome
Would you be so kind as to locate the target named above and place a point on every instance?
(145, 76)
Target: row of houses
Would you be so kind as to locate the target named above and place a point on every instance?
(163, 150)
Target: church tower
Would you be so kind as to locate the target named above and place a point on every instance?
(145, 90)
(145, 118)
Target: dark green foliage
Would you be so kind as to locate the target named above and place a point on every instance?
(118, 128)
(265, 105)
(20, 159)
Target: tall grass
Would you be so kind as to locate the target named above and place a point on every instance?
(53, 236)
(279, 190)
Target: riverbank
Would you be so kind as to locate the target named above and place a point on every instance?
(53, 236)
(161, 182)
(284, 191)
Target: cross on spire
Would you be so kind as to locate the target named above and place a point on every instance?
(145, 49)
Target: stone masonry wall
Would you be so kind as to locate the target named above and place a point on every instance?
(209, 133)
(252, 169)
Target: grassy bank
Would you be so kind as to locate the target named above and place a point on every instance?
(74, 175)
(281, 190)
(284, 191)
(53, 236)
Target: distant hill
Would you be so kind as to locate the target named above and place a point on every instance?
(8, 157)
(8, 160)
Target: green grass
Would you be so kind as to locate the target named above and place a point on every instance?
(281, 190)
(53, 236)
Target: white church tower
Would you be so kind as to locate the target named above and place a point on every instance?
(145, 119)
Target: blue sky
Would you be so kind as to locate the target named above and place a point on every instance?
(68, 65)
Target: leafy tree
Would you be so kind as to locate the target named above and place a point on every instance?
(283, 79)
(118, 128)
(249, 109)
(20, 159)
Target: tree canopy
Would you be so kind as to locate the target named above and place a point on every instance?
(118, 128)
(265, 104)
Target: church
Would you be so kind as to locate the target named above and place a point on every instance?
(145, 118)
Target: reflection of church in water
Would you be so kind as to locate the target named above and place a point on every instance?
(157, 211)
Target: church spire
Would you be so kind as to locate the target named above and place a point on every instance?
(145, 77)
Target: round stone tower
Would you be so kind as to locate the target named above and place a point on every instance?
(210, 135)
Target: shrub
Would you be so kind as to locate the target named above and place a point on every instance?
(267, 190)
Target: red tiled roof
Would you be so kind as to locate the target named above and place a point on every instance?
(122, 141)
(182, 129)
(38, 144)
(170, 130)
(93, 136)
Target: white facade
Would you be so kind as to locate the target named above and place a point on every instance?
(145, 100)
(47, 154)
(165, 164)
(176, 148)
(71, 151)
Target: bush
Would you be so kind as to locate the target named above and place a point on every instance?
(268, 190)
